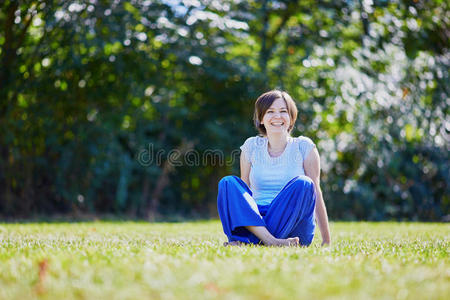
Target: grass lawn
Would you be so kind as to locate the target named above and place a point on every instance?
(126, 260)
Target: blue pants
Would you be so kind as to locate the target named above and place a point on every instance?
(290, 214)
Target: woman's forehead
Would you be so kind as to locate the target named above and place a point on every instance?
(278, 103)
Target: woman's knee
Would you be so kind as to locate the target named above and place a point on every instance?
(303, 181)
(225, 180)
(305, 185)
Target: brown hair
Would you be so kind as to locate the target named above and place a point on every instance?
(264, 102)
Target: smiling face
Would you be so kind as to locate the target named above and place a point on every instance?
(275, 111)
(277, 119)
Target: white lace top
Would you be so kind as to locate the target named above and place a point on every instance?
(268, 175)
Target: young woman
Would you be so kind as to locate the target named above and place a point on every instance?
(275, 199)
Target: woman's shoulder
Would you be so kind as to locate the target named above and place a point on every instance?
(252, 146)
(304, 140)
(254, 141)
(305, 144)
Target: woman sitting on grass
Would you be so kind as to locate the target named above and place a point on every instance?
(274, 202)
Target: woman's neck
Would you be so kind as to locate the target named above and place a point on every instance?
(277, 142)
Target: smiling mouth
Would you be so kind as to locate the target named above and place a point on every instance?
(277, 124)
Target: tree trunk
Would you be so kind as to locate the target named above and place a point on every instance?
(6, 196)
(161, 183)
(263, 55)
(163, 180)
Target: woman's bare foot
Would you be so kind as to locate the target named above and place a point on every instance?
(289, 242)
(233, 243)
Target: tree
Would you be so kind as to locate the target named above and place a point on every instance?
(86, 87)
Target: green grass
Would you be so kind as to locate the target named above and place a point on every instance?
(98, 260)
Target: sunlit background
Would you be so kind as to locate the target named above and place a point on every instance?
(86, 85)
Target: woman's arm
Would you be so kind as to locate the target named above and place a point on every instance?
(312, 170)
(245, 169)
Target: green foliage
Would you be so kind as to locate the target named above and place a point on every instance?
(85, 87)
(94, 260)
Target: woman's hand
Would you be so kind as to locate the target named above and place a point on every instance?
(326, 243)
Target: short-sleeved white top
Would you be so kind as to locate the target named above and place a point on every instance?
(268, 175)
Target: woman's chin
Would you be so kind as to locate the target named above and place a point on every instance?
(277, 131)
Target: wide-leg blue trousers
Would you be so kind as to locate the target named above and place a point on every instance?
(290, 214)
